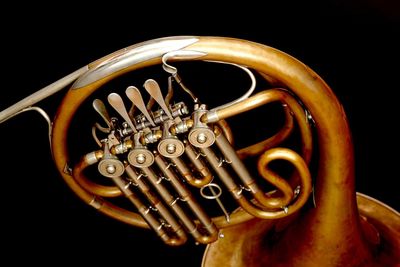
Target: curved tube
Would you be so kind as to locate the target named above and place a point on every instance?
(94, 188)
(267, 96)
(248, 92)
(279, 137)
(156, 203)
(100, 204)
(273, 154)
(305, 181)
(170, 92)
(262, 98)
(41, 94)
(266, 201)
(335, 188)
(186, 196)
(205, 174)
(104, 70)
(226, 130)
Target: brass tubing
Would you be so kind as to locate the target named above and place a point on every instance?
(265, 201)
(225, 177)
(222, 172)
(161, 209)
(184, 171)
(94, 188)
(186, 196)
(82, 90)
(320, 244)
(199, 166)
(335, 188)
(99, 203)
(293, 157)
(226, 129)
(150, 103)
(172, 203)
(279, 137)
(144, 211)
(268, 96)
(170, 93)
(41, 94)
(305, 181)
(71, 102)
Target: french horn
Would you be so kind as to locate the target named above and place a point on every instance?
(161, 158)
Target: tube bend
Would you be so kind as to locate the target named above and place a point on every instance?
(94, 188)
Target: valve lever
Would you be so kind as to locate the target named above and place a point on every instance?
(134, 95)
(100, 108)
(154, 90)
(117, 103)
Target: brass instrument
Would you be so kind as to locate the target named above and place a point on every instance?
(161, 156)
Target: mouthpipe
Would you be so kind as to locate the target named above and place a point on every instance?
(41, 94)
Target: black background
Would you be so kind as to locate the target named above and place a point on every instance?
(352, 45)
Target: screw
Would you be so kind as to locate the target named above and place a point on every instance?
(201, 138)
(111, 169)
(140, 158)
(171, 148)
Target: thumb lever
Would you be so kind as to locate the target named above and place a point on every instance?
(100, 108)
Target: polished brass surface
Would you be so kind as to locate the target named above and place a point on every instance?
(312, 218)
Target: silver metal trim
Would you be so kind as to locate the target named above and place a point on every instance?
(91, 158)
(179, 55)
(134, 54)
(41, 94)
(96, 202)
(248, 92)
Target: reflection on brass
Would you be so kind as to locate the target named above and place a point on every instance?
(275, 228)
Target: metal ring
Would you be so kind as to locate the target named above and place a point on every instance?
(214, 195)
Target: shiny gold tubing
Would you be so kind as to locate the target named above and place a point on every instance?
(143, 210)
(184, 171)
(161, 209)
(199, 165)
(226, 129)
(305, 182)
(268, 96)
(266, 201)
(336, 152)
(236, 192)
(101, 204)
(336, 210)
(94, 188)
(172, 203)
(279, 137)
(73, 99)
(201, 168)
(333, 234)
(187, 197)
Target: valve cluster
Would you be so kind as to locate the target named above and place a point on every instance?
(150, 132)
